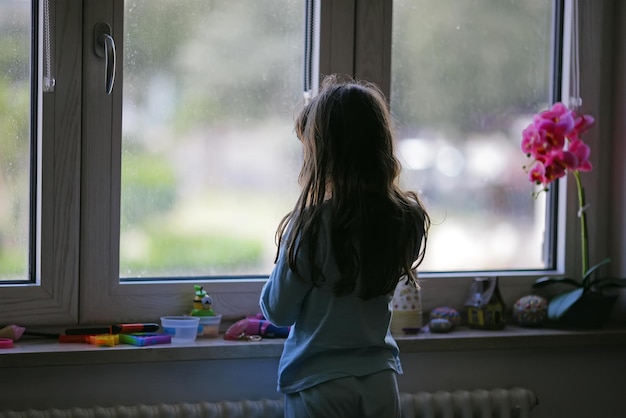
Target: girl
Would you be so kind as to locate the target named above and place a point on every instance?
(350, 238)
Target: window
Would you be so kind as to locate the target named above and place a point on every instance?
(209, 164)
(181, 174)
(15, 139)
(44, 131)
(466, 79)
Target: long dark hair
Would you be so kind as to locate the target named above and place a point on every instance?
(378, 232)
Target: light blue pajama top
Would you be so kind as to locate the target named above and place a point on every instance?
(331, 337)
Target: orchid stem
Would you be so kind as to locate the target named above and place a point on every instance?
(583, 224)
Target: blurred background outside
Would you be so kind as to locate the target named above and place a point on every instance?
(210, 160)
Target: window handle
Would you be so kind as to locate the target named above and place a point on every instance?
(104, 47)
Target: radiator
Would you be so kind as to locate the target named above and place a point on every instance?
(478, 403)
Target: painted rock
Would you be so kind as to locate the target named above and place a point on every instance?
(530, 310)
(440, 325)
(448, 313)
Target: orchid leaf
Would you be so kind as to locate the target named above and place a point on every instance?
(545, 281)
(594, 268)
(561, 303)
(608, 282)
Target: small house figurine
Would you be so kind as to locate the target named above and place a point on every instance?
(485, 306)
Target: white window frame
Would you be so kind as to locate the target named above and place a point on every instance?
(52, 298)
(79, 280)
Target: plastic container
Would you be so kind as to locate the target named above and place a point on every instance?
(209, 326)
(183, 329)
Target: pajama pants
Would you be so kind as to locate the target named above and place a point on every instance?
(375, 395)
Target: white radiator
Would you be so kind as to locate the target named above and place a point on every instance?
(478, 403)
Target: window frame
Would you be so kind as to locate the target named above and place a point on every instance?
(52, 297)
(79, 280)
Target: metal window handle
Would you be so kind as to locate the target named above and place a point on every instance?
(104, 47)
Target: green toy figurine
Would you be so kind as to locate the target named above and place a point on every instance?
(202, 302)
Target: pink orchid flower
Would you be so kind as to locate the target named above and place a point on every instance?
(582, 123)
(552, 141)
(558, 121)
(532, 142)
(582, 152)
(537, 173)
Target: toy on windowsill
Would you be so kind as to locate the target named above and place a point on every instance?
(144, 339)
(108, 340)
(12, 332)
(209, 321)
(407, 308)
(253, 328)
(485, 306)
(9, 334)
(202, 302)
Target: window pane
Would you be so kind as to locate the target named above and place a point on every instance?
(15, 104)
(466, 78)
(209, 158)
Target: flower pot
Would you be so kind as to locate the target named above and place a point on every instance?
(590, 311)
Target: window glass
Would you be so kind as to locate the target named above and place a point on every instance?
(466, 78)
(209, 157)
(15, 104)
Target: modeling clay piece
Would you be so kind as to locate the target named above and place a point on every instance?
(253, 328)
(142, 340)
(202, 302)
(104, 339)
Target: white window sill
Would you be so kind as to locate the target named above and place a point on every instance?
(33, 352)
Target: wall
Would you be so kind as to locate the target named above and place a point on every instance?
(568, 382)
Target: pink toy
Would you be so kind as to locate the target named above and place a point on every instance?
(12, 332)
(253, 328)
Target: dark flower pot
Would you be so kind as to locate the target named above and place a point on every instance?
(591, 311)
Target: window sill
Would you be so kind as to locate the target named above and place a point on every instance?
(31, 352)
